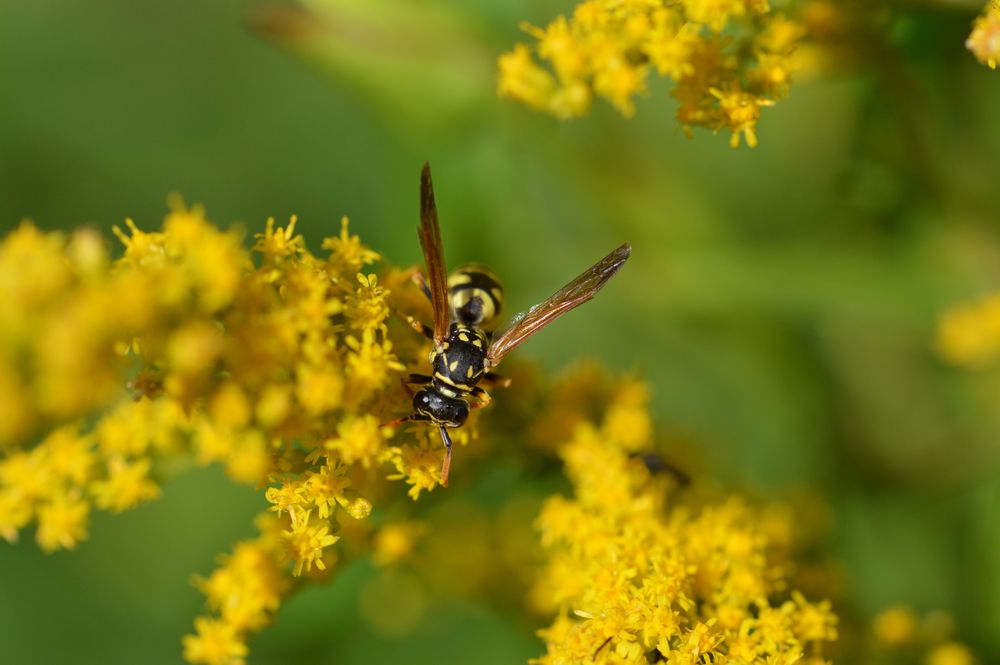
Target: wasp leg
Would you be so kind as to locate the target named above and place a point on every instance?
(405, 419)
(446, 465)
(603, 644)
(419, 279)
(415, 380)
(482, 396)
(496, 380)
(417, 325)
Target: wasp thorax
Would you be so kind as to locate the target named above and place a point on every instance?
(475, 295)
(441, 409)
(461, 361)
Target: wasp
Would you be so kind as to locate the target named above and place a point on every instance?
(465, 306)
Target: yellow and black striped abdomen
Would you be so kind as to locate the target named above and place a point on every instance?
(475, 295)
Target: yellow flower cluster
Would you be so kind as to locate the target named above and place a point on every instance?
(635, 579)
(984, 41)
(245, 591)
(280, 367)
(69, 319)
(969, 334)
(728, 59)
(114, 373)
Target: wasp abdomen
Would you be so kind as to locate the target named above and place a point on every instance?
(475, 295)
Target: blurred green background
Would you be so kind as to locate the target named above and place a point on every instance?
(780, 301)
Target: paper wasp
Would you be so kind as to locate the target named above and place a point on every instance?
(464, 305)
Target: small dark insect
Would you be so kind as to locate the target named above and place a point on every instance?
(464, 306)
(658, 464)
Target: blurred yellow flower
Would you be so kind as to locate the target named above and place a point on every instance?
(950, 653)
(984, 41)
(969, 333)
(396, 542)
(215, 643)
(125, 486)
(899, 631)
(247, 588)
(895, 626)
(62, 522)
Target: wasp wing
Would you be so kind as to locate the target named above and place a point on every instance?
(577, 292)
(430, 241)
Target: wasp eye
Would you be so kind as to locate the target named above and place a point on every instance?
(421, 401)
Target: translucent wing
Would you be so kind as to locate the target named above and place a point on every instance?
(430, 241)
(577, 292)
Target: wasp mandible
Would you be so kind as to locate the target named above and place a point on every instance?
(464, 305)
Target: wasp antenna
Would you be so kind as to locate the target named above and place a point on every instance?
(418, 278)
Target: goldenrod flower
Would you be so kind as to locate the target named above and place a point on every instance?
(359, 439)
(633, 579)
(347, 254)
(728, 59)
(62, 522)
(247, 588)
(281, 243)
(126, 485)
(306, 541)
(280, 371)
(816, 621)
(216, 643)
(281, 368)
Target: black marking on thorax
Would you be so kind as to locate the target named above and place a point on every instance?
(461, 362)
